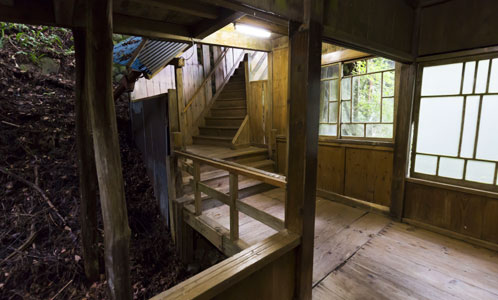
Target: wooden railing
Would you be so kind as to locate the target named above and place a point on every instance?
(232, 199)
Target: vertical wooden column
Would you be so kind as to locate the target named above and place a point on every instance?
(405, 91)
(181, 102)
(86, 164)
(106, 143)
(197, 191)
(234, 214)
(304, 103)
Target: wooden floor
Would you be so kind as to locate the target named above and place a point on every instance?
(220, 152)
(361, 255)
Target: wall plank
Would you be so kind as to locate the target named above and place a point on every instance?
(255, 110)
(280, 89)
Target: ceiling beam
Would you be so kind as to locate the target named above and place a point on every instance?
(64, 11)
(154, 29)
(205, 28)
(274, 28)
(249, 11)
(189, 7)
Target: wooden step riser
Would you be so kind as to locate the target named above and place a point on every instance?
(235, 85)
(250, 158)
(233, 95)
(199, 140)
(218, 132)
(232, 103)
(229, 112)
(224, 122)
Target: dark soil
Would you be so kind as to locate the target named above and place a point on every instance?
(37, 144)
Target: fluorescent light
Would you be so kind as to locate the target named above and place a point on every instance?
(251, 30)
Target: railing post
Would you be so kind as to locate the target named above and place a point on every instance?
(197, 179)
(234, 214)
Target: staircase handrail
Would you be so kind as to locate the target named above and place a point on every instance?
(213, 69)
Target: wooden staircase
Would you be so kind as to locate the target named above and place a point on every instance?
(227, 113)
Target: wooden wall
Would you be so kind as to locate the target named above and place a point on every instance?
(383, 27)
(465, 213)
(359, 171)
(256, 109)
(280, 87)
(458, 25)
(159, 84)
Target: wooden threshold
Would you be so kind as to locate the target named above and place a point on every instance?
(368, 206)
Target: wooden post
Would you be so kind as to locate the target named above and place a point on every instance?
(302, 146)
(181, 102)
(234, 214)
(405, 91)
(86, 165)
(197, 191)
(107, 155)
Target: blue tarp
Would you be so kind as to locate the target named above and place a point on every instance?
(124, 51)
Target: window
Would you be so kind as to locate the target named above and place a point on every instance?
(456, 135)
(359, 97)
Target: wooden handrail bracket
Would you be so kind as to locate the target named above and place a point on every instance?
(227, 273)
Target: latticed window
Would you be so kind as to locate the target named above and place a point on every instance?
(358, 97)
(456, 131)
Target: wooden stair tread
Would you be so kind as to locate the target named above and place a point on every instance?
(226, 118)
(219, 127)
(228, 108)
(212, 137)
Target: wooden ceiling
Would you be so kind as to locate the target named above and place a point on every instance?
(192, 19)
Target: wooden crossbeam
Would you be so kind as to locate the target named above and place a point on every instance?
(189, 7)
(205, 28)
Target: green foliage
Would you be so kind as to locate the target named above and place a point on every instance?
(36, 42)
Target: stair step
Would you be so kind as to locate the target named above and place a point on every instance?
(212, 140)
(267, 165)
(228, 112)
(230, 103)
(231, 99)
(227, 131)
(224, 121)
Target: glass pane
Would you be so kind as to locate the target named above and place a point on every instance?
(493, 79)
(334, 90)
(480, 171)
(328, 129)
(451, 167)
(333, 112)
(366, 102)
(324, 107)
(468, 78)
(380, 64)
(487, 143)
(354, 68)
(442, 80)
(388, 87)
(439, 125)
(346, 111)
(352, 130)
(380, 130)
(469, 126)
(482, 76)
(346, 89)
(387, 110)
(425, 164)
(323, 74)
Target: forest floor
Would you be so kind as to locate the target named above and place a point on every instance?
(40, 253)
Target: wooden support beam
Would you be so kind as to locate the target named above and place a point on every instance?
(405, 79)
(197, 189)
(86, 164)
(234, 214)
(64, 11)
(192, 8)
(205, 28)
(107, 154)
(304, 103)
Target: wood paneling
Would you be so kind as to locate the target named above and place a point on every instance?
(256, 110)
(383, 27)
(280, 89)
(368, 175)
(468, 214)
(358, 171)
(331, 165)
(458, 25)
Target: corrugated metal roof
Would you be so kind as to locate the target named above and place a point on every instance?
(153, 56)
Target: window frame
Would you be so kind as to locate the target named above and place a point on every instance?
(364, 139)
(492, 187)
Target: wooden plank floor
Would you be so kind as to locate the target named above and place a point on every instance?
(361, 255)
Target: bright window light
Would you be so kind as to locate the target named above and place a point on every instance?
(251, 30)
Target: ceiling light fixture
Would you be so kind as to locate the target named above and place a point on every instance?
(251, 30)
